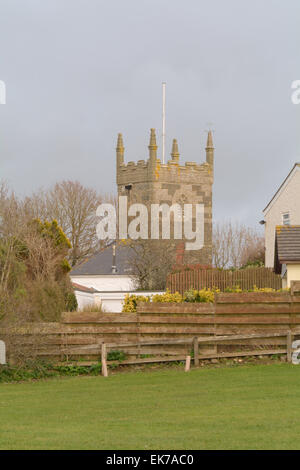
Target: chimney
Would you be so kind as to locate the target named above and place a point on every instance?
(180, 253)
(114, 266)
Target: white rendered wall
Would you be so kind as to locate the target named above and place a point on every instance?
(293, 273)
(114, 302)
(84, 299)
(287, 201)
(111, 302)
(106, 282)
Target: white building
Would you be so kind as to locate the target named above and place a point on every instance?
(105, 279)
(283, 209)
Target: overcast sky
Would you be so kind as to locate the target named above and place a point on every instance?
(78, 72)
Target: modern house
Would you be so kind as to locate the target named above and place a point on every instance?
(105, 279)
(283, 209)
(107, 270)
(287, 253)
(102, 280)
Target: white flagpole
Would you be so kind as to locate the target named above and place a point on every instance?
(163, 121)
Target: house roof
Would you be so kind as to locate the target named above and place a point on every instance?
(287, 245)
(101, 263)
(282, 186)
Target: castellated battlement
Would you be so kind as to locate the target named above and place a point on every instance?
(171, 172)
(153, 169)
(153, 182)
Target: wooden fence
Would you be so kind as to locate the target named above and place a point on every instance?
(234, 325)
(208, 278)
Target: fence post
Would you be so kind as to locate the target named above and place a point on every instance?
(2, 353)
(196, 351)
(187, 363)
(103, 360)
(289, 346)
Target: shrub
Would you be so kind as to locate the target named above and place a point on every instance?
(33, 370)
(191, 295)
(238, 290)
(92, 308)
(203, 295)
(28, 371)
(130, 302)
(233, 289)
(116, 356)
(71, 301)
(263, 289)
(167, 297)
(47, 300)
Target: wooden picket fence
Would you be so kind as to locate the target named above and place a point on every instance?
(209, 278)
(234, 325)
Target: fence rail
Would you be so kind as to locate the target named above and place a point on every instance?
(222, 279)
(234, 325)
(194, 344)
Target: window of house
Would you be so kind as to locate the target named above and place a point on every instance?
(286, 218)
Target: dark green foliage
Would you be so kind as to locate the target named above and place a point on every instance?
(74, 370)
(53, 231)
(33, 370)
(28, 371)
(116, 356)
(34, 281)
(47, 300)
(71, 302)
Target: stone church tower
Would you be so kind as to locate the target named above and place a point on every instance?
(151, 182)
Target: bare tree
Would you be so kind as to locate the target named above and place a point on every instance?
(235, 245)
(254, 250)
(3, 192)
(74, 207)
(221, 244)
(11, 227)
(11, 217)
(150, 262)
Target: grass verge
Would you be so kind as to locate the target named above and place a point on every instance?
(247, 407)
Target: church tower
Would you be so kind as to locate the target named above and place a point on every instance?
(151, 182)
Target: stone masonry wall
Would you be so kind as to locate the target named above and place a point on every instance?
(153, 182)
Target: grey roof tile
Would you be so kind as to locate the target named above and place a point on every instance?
(101, 262)
(287, 245)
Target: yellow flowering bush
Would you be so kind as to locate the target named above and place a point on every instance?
(130, 302)
(167, 297)
(263, 289)
(233, 289)
(192, 295)
(238, 290)
(203, 295)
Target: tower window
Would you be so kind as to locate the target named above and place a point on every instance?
(286, 218)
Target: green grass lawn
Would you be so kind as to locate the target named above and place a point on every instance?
(245, 407)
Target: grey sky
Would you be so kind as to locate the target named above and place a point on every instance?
(80, 71)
